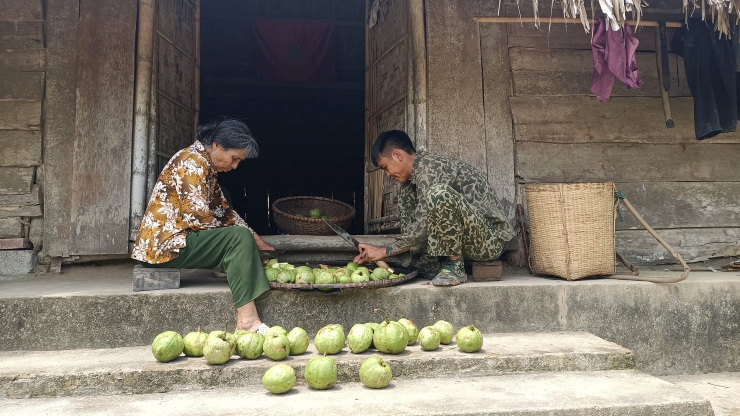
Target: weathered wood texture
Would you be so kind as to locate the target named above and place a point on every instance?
(21, 10)
(694, 244)
(17, 200)
(20, 148)
(682, 204)
(21, 34)
(22, 59)
(620, 162)
(103, 129)
(22, 86)
(568, 72)
(456, 120)
(580, 119)
(11, 228)
(15, 180)
(59, 123)
(13, 243)
(499, 136)
(22, 115)
(27, 211)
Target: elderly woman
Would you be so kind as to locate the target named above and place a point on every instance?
(188, 223)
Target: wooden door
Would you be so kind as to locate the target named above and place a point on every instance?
(388, 49)
(175, 63)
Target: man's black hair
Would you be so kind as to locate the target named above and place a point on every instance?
(389, 141)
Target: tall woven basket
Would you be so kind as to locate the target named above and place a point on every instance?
(572, 229)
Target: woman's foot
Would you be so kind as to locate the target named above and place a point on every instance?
(219, 273)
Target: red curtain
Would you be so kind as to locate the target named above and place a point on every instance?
(295, 51)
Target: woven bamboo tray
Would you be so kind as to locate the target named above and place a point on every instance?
(334, 288)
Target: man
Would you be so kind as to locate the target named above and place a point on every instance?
(449, 212)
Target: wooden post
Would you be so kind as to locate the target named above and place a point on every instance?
(418, 68)
(196, 77)
(141, 114)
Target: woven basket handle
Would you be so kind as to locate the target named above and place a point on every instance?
(674, 253)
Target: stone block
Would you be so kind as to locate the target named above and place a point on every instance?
(146, 278)
(17, 262)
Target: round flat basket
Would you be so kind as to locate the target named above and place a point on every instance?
(335, 288)
(286, 211)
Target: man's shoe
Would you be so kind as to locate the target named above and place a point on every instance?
(452, 273)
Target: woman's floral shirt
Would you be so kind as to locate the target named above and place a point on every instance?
(186, 198)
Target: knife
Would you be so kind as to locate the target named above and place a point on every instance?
(348, 238)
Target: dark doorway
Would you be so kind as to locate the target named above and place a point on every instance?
(311, 134)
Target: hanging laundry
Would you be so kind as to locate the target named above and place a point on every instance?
(709, 59)
(614, 57)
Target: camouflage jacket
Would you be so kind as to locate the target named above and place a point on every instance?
(186, 198)
(432, 169)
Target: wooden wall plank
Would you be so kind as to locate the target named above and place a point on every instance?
(682, 204)
(627, 162)
(20, 148)
(27, 211)
(21, 34)
(22, 59)
(21, 115)
(579, 119)
(103, 130)
(568, 72)
(21, 10)
(562, 36)
(17, 200)
(15, 180)
(11, 228)
(499, 136)
(454, 88)
(693, 244)
(22, 86)
(59, 123)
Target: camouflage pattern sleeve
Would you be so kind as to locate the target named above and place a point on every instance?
(413, 220)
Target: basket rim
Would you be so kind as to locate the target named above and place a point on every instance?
(344, 286)
(313, 220)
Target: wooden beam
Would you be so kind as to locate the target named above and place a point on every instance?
(13, 243)
(561, 20)
(16, 180)
(22, 59)
(20, 115)
(20, 147)
(16, 34)
(26, 211)
(19, 200)
(27, 86)
(11, 228)
(694, 244)
(21, 10)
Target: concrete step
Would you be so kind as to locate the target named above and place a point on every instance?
(133, 370)
(685, 328)
(611, 393)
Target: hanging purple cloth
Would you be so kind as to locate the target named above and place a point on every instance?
(614, 56)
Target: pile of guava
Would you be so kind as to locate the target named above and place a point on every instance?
(278, 272)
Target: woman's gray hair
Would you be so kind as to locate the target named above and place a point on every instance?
(229, 133)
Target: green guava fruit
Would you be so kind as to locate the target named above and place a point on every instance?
(411, 328)
(315, 213)
(446, 331)
(299, 340)
(230, 338)
(286, 276)
(344, 278)
(272, 274)
(429, 338)
(352, 266)
(305, 276)
(271, 262)
(393, 276)
(390, 337)
(321, 372)
(217, 350)
(249, 345)
(375, 373)
(360, 275)
(359, 338)
(193, 343)
(379, 273)
(276, 346)
(325, 277)
(469, 339)
(373, 326)
(329, 339)
(277, 329)
(279, 379)
(167, 346)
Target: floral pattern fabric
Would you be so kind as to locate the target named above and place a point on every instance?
(186, 198)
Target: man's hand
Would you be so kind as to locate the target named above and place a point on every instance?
(370, 254)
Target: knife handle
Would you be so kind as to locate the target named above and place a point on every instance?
(384, 265)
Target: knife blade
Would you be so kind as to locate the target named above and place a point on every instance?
(351, 240)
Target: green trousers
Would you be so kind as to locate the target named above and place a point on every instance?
(456, 228)
(230, 248)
